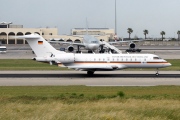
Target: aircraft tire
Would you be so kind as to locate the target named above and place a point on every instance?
(90, 73)
(157, 74)
(78, 51)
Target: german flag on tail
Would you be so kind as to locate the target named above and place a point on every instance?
(40, 42)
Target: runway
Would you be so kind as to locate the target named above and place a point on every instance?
(114, 78)
(110, 78)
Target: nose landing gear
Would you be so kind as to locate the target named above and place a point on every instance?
(157, 73)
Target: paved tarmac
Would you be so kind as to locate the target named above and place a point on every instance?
(27, 54)
(108, 78)
(111, 78)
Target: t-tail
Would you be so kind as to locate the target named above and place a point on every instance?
(42, 49)
(86, 27)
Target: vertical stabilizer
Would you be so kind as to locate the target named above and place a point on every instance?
(39, 45)
(86, 27)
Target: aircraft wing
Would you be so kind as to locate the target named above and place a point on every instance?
(97, 67)
(91, 68)
(70, 43)
(132, 41)
(124, 41)
(78, 44)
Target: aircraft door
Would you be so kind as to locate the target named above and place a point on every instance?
(108, 59)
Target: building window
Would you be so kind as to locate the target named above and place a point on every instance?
(50, 34)
(74, 33)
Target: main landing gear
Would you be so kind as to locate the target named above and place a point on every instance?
(78, 51)
(102, 50)
(157, 73)
(90, 51)
(90, 73)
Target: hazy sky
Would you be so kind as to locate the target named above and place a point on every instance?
(153, 15)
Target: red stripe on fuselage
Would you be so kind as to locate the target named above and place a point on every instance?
(103, 62)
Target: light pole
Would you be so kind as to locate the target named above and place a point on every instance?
(115, 19)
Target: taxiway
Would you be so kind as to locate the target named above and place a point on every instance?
(109, 78)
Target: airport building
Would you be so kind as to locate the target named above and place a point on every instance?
(9, 33)
(93, 31)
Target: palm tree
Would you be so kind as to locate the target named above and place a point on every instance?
(178, 32)
(145, 32)
(162, 33)
(129, 30)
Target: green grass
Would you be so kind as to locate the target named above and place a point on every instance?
(88, 93)
(82, 102)
(27, 64)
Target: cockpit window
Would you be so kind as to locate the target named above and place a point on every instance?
(155, 58)
(93, 41)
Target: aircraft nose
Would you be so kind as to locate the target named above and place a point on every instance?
(168, 64)
(93, 46)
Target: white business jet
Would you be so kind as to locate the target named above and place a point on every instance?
(91, 62)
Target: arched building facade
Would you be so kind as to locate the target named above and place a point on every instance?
(9, 34)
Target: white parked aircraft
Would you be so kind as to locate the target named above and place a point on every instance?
(91, 62)
(132, 45)
(89, 42)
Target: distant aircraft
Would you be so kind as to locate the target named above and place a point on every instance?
(132, 45)
(91, 62)
(89, 42)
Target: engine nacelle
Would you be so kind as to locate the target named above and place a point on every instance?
(65, 58)
(44, 59)
(70, 48)
(132, 45)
